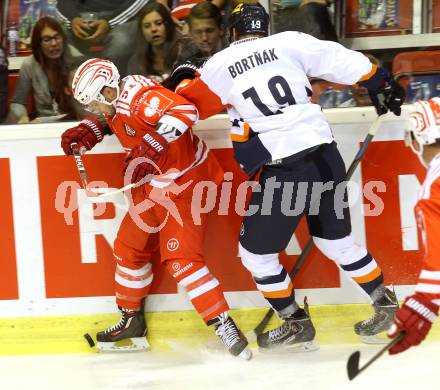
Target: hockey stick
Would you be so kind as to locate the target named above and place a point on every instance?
(79, 164)
(353, 369)
(95, 192)
(299, 263)
(106, 194)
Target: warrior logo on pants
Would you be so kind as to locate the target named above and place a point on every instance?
(172, 244)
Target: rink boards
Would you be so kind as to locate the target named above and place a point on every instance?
(57, 259)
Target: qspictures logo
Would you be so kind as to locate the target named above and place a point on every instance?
(204, 197)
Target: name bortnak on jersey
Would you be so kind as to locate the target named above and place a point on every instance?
(255, 59)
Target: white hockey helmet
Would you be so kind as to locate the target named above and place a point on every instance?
(91, 77)
(423, 124)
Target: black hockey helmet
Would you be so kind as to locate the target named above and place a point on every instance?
(249, 19)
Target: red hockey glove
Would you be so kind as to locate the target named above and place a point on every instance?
(87, 134)
(415, 318)
(153, 147)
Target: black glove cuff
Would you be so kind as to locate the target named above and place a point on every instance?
(182, 72)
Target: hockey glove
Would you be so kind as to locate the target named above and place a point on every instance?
(415, 318)
(185, 71)
(152, 149)
(390, 97)
(385, 94)
(87, 134)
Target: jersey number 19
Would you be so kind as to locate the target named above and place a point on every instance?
(280, 90)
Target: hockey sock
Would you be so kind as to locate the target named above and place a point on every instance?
(366, 273)
(202, 287)
(278, 290)
(132, 285)
(354, 260)
(133, 275)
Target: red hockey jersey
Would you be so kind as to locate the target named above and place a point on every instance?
(428, 218)
(141, 105)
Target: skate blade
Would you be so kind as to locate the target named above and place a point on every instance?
(307, 346)
(126, 345)
(246, 354)
(374, 339)
(217, 347)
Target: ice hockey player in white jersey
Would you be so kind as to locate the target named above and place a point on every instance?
(421, 309)
(263, 83)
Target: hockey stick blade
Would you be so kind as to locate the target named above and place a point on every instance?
(353, 365)
(353, 369)
(262, 325)
(253, 333)
(299, 263)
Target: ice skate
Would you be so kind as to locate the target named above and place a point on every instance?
(296, 334)
(231, 336)
(129, 334)
(384, 312)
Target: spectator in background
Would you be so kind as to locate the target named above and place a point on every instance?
(308, 16)
(45, 76)
(103, 28)
(206, 33)
(180, 10)
(3, 83)
(157, 45)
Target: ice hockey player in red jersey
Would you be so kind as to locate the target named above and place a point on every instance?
(153, 125)
(263, 82)
(420, 310)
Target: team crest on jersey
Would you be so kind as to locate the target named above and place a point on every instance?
(152, 105)
(130, 132)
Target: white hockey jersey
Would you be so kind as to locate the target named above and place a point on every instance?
(263, 83)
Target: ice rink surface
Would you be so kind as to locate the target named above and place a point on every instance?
(186, 368)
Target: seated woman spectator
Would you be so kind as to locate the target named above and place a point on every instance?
(157, 43)
(181, 8)
(44, 76)
(206, 33)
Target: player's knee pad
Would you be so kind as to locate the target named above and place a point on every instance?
(260, 265)
(343, 251)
